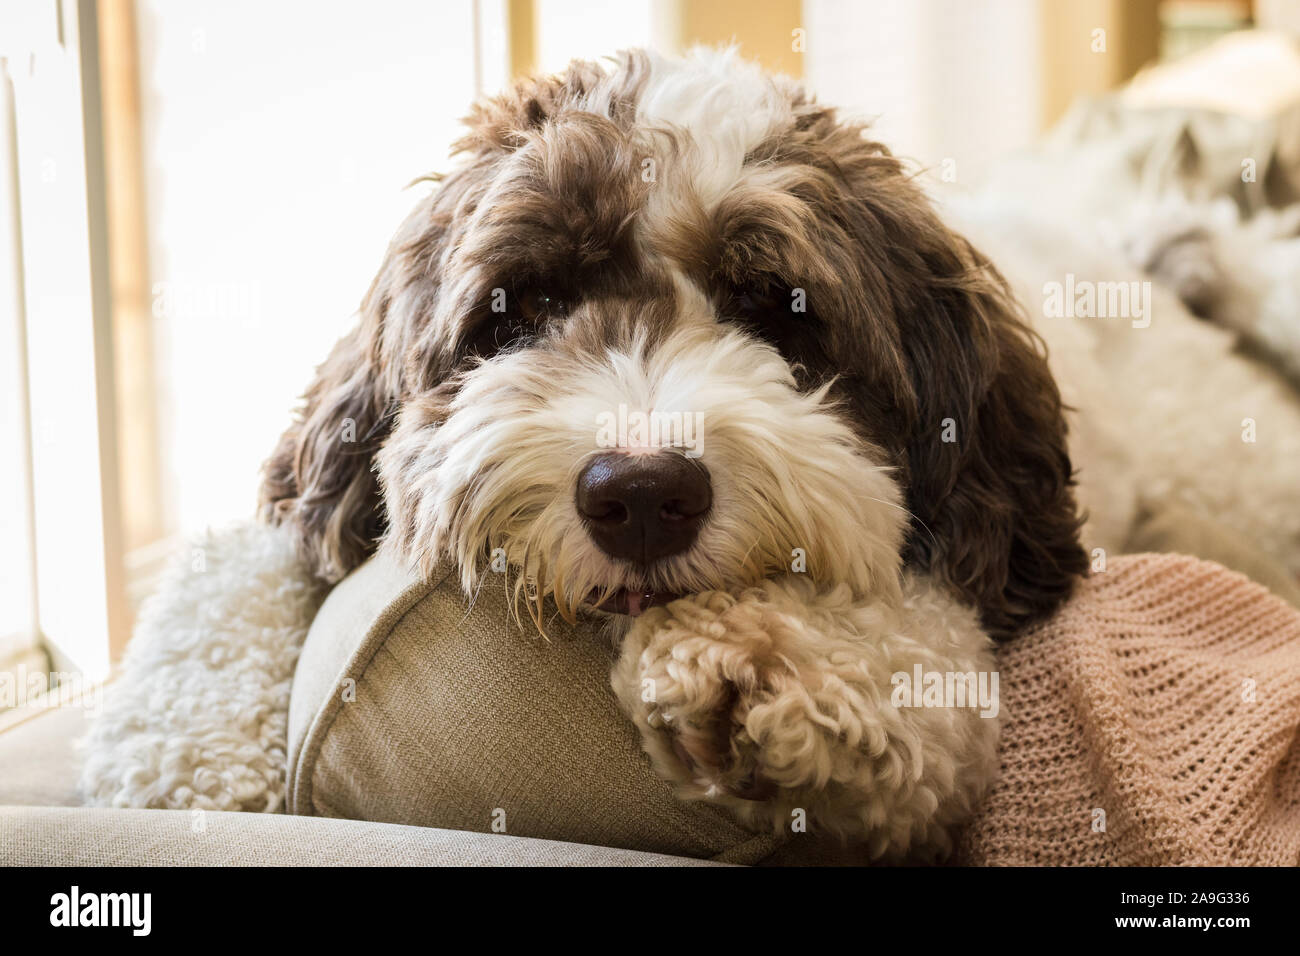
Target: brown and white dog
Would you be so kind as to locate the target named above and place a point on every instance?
(880, 479)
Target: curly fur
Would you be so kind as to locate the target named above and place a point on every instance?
(778, 699)
(198, 714)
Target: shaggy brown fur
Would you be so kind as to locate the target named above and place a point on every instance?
(917, 330)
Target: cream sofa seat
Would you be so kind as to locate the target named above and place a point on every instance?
(43, 824)
(44, 836)
(39, 764)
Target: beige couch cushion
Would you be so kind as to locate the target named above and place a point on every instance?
(39, 762)
(410, 706)
(31, 836)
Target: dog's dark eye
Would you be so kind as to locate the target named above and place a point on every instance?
(780, 315)
(511, 319)
(535, 304)
(759, 304)
(752, 304)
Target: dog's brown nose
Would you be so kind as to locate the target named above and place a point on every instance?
(643, 507)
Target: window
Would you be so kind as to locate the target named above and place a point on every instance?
(192, 212)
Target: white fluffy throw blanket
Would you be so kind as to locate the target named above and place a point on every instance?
(197, 716)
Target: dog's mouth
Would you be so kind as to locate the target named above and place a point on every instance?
(631, 601)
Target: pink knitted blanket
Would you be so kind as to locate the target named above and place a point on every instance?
(1153, 721)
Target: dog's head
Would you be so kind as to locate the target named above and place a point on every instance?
(672, 326)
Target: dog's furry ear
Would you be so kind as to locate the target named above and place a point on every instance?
(959, 387)
(990, 471)
(320, 479)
